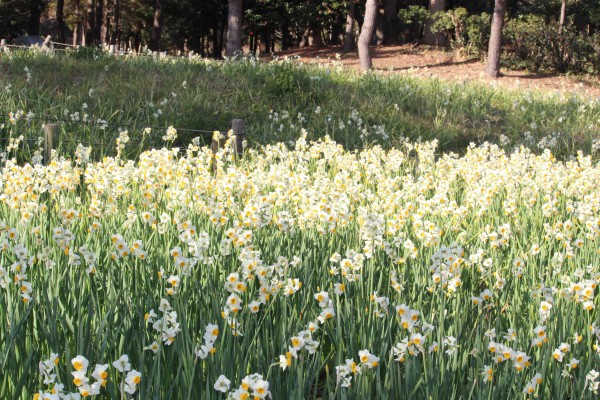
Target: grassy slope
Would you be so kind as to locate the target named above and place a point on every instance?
(123, 91)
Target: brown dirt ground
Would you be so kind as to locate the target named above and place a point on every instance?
(419, 60)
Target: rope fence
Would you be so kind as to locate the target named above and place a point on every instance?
(52, 139)
(50, 119)
(113, 50)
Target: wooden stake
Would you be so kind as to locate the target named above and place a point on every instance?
(50, 137)
(237, 126)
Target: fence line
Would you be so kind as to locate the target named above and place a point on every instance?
(51, 135)
(50, 119)
(110, 50)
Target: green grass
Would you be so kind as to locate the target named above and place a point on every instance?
(390, 108)
(401, 222)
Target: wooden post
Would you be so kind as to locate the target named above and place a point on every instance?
(2, 43)
(237, 126)
(50, 137)
(46, 43)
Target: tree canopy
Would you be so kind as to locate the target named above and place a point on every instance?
(274, 25)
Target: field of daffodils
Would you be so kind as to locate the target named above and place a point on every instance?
(301, 271)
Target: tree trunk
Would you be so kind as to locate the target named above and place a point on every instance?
(157, 26)
(390, 22)
(99, 12)
(285, 36)
(334, 34)
(35, 13)
(272, 40)
(76, 33)
(201, 49)
(430, 38)
(305, 37)
(563, 13)
(366, 35)
(222, 38)
(116, 14)
(349, 34)
(215, 41)
(315, 39)
(379, 23)
(264, 44)
(234, 28)
(106, 29)
(77, 27)
(90, 19)
(255, 43)
(494, 49)
(60, 21)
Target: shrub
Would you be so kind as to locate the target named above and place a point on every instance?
(413, 19)
(477, 29)
(538, 45)
(463, 31)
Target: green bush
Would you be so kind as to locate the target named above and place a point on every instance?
(413, 19)
(462, 31)
(540, 46)
(443, 23)
(477, 28)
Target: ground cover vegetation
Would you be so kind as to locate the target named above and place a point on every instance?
(277, 100)
(556, 36)
(381, 236)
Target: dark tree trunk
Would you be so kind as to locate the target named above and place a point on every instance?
(430, 38)
(234, 28)
(285, 36)
(315, 39)
(35, 14)
(222, 38)
(157, 26)
(334, 36)
(215, 41)
(390, 22)
(250, 41)
(90, 20)
(366, 35)
(116, 16)
(349, 34)
(106, 28)
(265, 43)
(60, 21)
(273, 40)
(201, 43)
(254, 43)
(379, 23)
(494, 49)
(99, 12)
(305, 37)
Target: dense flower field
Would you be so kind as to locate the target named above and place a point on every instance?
(301, 271)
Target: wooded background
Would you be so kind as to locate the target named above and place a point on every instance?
(267, 26)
